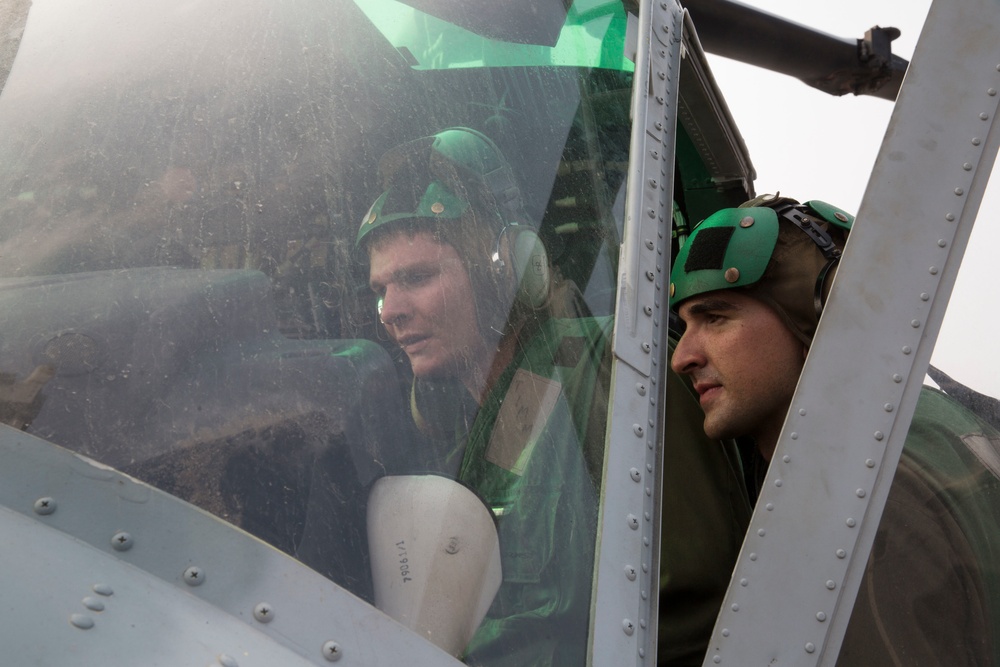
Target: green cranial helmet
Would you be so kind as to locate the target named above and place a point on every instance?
(439, 178)
(776, 249)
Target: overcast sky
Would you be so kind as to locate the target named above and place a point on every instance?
(842, 135)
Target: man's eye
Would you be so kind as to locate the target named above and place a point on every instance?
(414, 279)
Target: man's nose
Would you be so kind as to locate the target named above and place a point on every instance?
(687, 355)
(392, 306)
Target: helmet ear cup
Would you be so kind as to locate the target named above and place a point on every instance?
(520, 255)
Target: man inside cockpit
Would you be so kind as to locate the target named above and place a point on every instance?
(931, 586)
(512, 400)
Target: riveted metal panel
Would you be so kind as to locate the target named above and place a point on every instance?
(626, 596)
(102, 569)
(793, 589)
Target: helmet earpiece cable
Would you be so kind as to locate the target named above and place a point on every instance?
(823, 241)
(820, 282)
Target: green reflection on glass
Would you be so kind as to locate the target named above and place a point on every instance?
(593, 35)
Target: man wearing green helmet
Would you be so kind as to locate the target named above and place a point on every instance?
(750, 285)
(511, 399)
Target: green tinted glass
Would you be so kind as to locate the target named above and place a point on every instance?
(592, 35)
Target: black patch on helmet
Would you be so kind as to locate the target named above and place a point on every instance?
(708, 249)
(405, 192)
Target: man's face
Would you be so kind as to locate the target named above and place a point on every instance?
(744, 363)
(428, 306)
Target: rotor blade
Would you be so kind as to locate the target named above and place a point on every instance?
(832, 64)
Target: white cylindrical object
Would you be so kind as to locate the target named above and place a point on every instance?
(435, 556)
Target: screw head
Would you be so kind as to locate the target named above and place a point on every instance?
(121, 541)
(45, 506)
(332, 651)
(263, 612)
(194, 576)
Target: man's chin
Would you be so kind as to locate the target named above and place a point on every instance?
(719, 430)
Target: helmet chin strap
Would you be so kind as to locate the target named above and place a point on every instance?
(796, 215)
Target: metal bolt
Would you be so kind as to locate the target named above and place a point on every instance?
(841, 554)
(628, 626)
(194, 576)
(632, 522)
(263, 612)
(81, 621)
(630, 573)
(121, 541)
(821, 617)
(810, 647)
(332, 651)
(640, 389)
(851, 523)
(102, 589)
(638, 430)
(93, 604)
(860, 493)
(879, 435)
(636, 475)
(45, 506)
